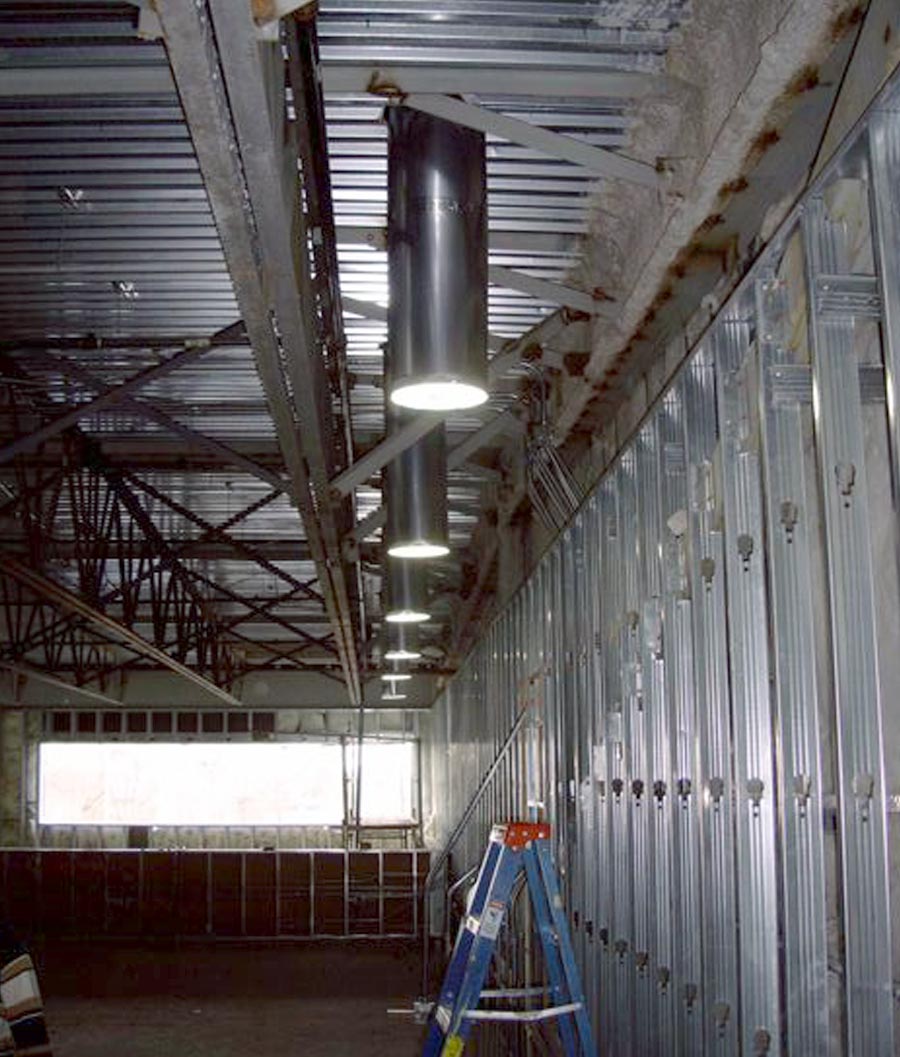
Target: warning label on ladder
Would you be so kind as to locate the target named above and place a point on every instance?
(492, 919)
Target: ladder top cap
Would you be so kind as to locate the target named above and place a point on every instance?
(519, 834)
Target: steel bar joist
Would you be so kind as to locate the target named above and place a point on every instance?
(121, 396)
(722, 776)
(70, 602)
(114, 395)
(113, 539)
(232, 92)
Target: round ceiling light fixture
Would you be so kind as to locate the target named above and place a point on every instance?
(432, 394)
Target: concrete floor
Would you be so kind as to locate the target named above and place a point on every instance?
(318, 999)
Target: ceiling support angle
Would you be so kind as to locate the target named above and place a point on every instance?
(566, 148)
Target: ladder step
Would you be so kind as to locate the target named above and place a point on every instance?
(515, 992)
(526, 1016)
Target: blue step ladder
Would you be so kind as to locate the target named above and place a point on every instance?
(513, 849)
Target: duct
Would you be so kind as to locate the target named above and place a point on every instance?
(437, 262)
(415, 491)
(402, 644)
(405, 592)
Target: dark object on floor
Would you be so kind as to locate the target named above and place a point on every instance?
(23, 1030)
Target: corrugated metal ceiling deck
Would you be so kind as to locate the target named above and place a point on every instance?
(106, 231)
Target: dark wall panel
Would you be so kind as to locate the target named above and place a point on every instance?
(90, 892)
(192, 893)
(260, 895)
(328, 891)
(294, 894)
(227, 894)
(158, 900)
(227, 902)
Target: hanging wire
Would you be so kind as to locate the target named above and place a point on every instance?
(552, 488)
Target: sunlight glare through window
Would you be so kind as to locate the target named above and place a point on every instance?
(161, 784)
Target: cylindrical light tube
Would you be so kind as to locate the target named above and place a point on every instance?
(402, 644)
(437, 262)
(394, 675)
(404, 587)
(415, 493)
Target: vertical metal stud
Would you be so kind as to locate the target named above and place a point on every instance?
(787, 509)
(861, 792)
(622, 980)
(754, 772)
(655, 706)
(679, 798)
(884, 160)
(719, 992)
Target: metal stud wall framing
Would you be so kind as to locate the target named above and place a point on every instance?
(707, 658)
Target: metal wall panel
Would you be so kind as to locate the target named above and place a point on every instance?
(719, 619)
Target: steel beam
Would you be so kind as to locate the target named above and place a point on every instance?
(219, 532)
(498, 241)
(400, 80)
(366, 309)
(350, 78)
(370, 310)
(255, 200)
(395, 443)
(28, 672)
(146, 410)
(223, 548)
(116, 394)
(566, 148)
(542, 289)
(64, 599)
(385, 452)
(503, 421)
(370, 523)
(514, 352)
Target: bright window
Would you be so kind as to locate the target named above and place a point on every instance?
(158, 784)
(387, 781)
